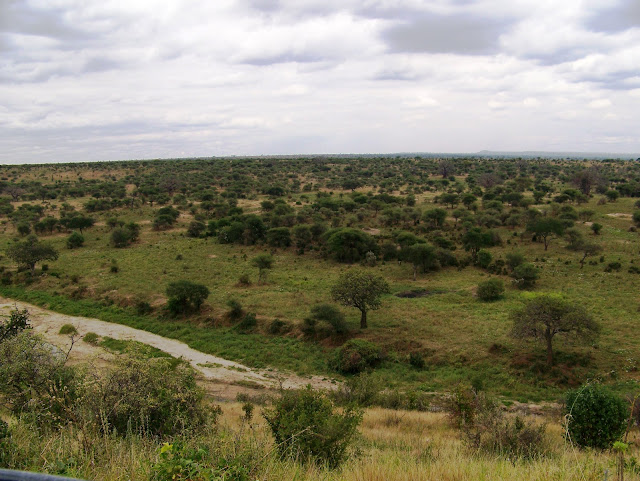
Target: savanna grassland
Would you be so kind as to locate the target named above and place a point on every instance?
(459, 337)
(115, 237)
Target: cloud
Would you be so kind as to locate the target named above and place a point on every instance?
(459, 34)
(623, 15)
(111, 80)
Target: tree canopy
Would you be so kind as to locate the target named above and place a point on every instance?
(545, 316)
(360, 289)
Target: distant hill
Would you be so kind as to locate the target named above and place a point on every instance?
(559, 155)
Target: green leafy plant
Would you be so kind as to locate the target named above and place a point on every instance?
(596, 417)
(356, 355)
(490, 290)
(306, 426)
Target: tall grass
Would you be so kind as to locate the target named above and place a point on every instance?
(393, 446)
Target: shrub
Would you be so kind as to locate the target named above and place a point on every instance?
(196, 229)
(613, 266)
(490, 290)
(35, 382)
(525, 275)
(120, 237)
(484, 259)
(6, 445)
(487, 428)
(75, 240)
(306, 426)
(244, 280)
(113, 268)
(248, 323)
(18, 321)
(148, 396)
(186, 297)
(514, 259)
(596, 417)
(91, 338)
(277, 326)
(362, 390)
(235, 311)
(68, 329)
(178, 462)
(143, 308)
(331, 315)
(417, 360)
(499, 434)
(356, 355)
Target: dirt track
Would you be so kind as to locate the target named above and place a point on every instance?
(223, 378)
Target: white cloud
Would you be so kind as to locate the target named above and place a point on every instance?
(113, 80)
(599, 104)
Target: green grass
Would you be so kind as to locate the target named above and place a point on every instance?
(251, 349)
(461, 338)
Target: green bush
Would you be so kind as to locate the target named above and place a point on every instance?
(6, 445)
(68, 329)
(484, 258)
(328, 314)
(248, 323)
(186, 297)
(306, 426)
(356, 355)
(278, 326)
(596, 417)
(235, 311)
(148, 396)
(35, 383)
(417, 360)
(75, 240)
(525, 275)
(178, 462)
(18, 321)
(514, 259)
(487, 428)
(490, 290)
(511, 437)
(91, 338)
(362, 390)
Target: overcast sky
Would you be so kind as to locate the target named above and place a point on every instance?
(115, 79)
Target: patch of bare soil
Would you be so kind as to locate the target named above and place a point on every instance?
(620, 215)
(223, 378)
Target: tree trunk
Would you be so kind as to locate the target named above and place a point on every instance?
(582, 261)
(546, 242)
(415, 272)
(33, 269)
(548, 338)
(363, 319)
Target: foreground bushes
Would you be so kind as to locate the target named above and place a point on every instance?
(156, 397)
(596, 417)
(306, 426)
(486, 427)
(150, 397)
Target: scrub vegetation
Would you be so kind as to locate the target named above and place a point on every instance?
(420, 284)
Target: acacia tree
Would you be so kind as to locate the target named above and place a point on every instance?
(420, 256)
(31, 251)
(360, 289)
(545, 227)
(263, 262)
(545, 316)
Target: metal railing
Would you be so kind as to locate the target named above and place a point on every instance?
(7, 475)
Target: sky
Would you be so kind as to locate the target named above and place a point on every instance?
(87, 80)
